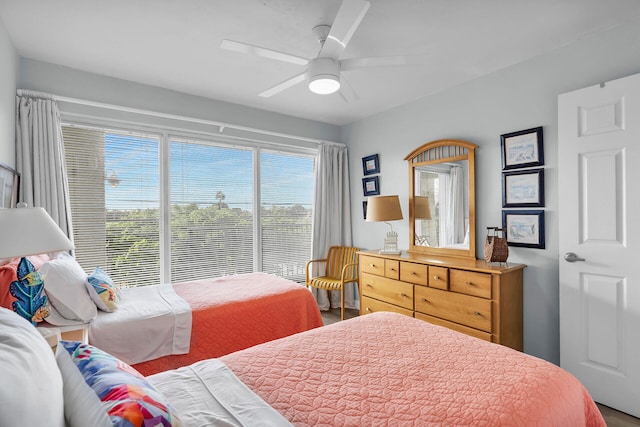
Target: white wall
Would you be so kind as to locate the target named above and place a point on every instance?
(8, 73)
(68, 82)
(517, 98)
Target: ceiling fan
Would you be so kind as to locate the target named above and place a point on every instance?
(324, 73)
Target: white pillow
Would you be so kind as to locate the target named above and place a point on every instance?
(65, 285)
(31, 389)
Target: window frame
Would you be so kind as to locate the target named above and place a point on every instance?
(165, 134)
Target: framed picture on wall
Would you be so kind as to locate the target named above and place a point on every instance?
(9, 186)
(522, 149)
(371, 186)
(524, 228)
(370, 165)
(523, 188)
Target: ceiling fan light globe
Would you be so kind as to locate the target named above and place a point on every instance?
(324, 84)
(324, 75)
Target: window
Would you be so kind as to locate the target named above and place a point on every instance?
(113, 187)
(211, 210)
(286, 183)
(206, 208)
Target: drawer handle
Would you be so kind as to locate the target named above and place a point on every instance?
(424, 300)
(372, 265)
(392, 269)
(368, 309)
(404, 295)
(470, 284)
(413, 273)
(477, 313)
(436, 277)
(368, 285)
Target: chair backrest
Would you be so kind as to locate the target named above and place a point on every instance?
(338, 257)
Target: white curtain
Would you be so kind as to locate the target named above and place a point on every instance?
(40, 157)
(332, 215)
(458, 208)
(452, 228)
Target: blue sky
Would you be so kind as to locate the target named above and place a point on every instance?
(199, 171)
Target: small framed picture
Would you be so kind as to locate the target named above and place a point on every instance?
(522, 149)
(524, 228)
(364, 209)
(522, 189)
(9, 186)
(370, 165)
(371, 186)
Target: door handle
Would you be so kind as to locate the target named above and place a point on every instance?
(571, 257)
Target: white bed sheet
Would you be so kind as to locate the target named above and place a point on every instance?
(150, 322)
(208, 393)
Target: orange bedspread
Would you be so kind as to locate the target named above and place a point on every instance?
(388, 369)
(235, 312)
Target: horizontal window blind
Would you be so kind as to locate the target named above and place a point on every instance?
(114, 191)
(223, 217)
(286, 189)
(211, 210)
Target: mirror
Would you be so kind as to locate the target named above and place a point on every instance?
(442, 198)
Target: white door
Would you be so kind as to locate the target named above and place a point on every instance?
(599, 222)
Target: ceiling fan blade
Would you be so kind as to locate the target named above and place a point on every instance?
(346, 91)
(347, 20)
(262, 51)
(283, 85)
(379, 62)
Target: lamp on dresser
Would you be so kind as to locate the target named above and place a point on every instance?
(385, 208)
(421, 212)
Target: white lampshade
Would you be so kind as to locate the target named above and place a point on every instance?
(383, 208)
(421, 205)
(324, 76)
(30, 231)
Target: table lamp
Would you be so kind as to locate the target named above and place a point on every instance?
(385, 208)
(421, 205)
(30, 231)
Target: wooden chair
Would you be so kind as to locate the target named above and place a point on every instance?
(341, 267)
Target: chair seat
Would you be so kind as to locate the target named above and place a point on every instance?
(328, 283)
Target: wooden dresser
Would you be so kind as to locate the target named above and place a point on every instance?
(470, 296)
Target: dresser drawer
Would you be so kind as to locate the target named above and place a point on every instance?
(470, 283)
(413, 273)
(456, 327)
(370, 305)
(439, 277)
(370, 264)
(389, 290)
(459, 308)
(392, 269)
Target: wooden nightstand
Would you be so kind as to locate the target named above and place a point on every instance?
(53, 334)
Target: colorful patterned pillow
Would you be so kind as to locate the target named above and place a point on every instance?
(102, 290)
(100, 390)
(22, 288)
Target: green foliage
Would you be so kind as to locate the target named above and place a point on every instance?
(206, 242)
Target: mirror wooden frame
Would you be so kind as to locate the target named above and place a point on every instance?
(441, 151)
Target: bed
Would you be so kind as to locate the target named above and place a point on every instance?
(378, 369)
(154, 331)
(163, 326)
(389, 369)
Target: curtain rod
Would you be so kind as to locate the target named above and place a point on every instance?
(221, 125)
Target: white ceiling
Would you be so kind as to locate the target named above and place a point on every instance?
(175, 43)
